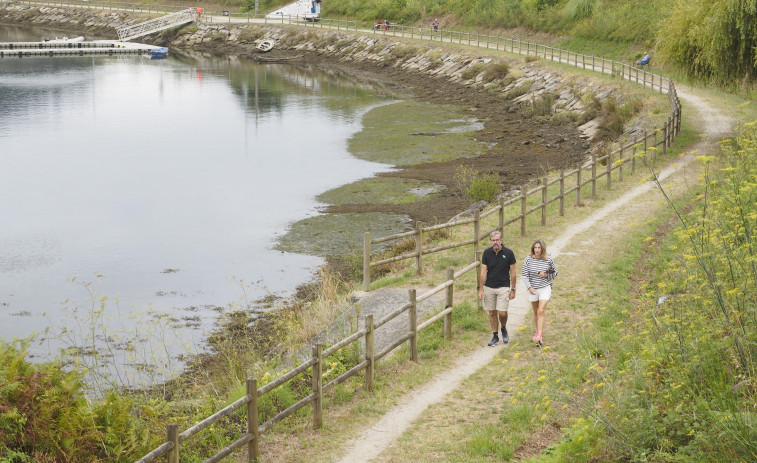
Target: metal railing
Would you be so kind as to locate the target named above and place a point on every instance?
(157, 24)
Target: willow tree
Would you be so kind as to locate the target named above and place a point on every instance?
(712, 40)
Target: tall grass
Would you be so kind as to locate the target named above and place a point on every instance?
(671, 374)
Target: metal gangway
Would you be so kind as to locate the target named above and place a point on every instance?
(154, 25)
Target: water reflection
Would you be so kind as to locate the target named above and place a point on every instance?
(132, 188)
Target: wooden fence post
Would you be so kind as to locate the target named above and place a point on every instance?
(172, 429)
(594, 175)
(476, 232)
(609, 170)
(479, 283)
(633, 157)
(501, 226)
(523, 210)
(665, 138)
(562, 192)
(413, 326)
(620, 167)
(449, 303)
(366, 262)
(578, 184)
(370, 354)
(318, 386)
(252, 420)
(645, 144)
(544, 201)
(419, 247)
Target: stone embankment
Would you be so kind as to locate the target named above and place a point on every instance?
(523, 82)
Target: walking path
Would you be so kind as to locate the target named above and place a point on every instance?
(383, 434)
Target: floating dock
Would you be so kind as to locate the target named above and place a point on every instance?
(60, 48)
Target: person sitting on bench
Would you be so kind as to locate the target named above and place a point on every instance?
(644, 61)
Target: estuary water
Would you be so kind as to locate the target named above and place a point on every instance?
(132, 187)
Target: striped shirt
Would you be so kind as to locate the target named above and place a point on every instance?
(531, 268)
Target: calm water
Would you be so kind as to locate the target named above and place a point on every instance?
(160, 185)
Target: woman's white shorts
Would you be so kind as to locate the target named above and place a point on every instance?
(542, 294)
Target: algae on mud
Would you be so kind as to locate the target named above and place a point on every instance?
(413, 132)
(401, 134)
(383, 190)
(338, 234)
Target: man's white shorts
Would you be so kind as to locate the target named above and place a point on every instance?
(497, 298)
(542, 294)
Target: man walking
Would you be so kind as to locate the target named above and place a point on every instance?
(497, 285)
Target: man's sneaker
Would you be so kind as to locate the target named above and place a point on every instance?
(495, 340)
(505, 337)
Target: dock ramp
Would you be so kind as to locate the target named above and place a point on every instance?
(158, 24)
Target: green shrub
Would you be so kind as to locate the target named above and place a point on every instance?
(44, 415)
(496, 71)
(476, 186)
(542, 105)
(404, 51)
(578, 9)
(520, 89)
(473, 71)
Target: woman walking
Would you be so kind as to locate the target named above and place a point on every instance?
(538, 273)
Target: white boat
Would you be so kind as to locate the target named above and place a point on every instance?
(265, 45)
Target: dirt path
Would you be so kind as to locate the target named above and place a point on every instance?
(604, 221)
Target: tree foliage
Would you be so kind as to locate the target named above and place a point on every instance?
(712, 40)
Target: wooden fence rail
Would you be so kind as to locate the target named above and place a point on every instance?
(171, 448)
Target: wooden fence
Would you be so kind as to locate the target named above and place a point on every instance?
(570, 182)
(250, 439)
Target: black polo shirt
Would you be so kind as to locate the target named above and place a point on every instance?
(498, 267)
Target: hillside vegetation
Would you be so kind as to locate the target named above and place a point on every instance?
(712, 41)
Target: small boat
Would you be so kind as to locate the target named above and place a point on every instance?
(265, 45)
(159, 52)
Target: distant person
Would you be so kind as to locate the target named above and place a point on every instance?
(497, 285)
(386, 24)
(538, 273)
(435, 25)
(199, 13)
(377, 26)
(644, 61)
